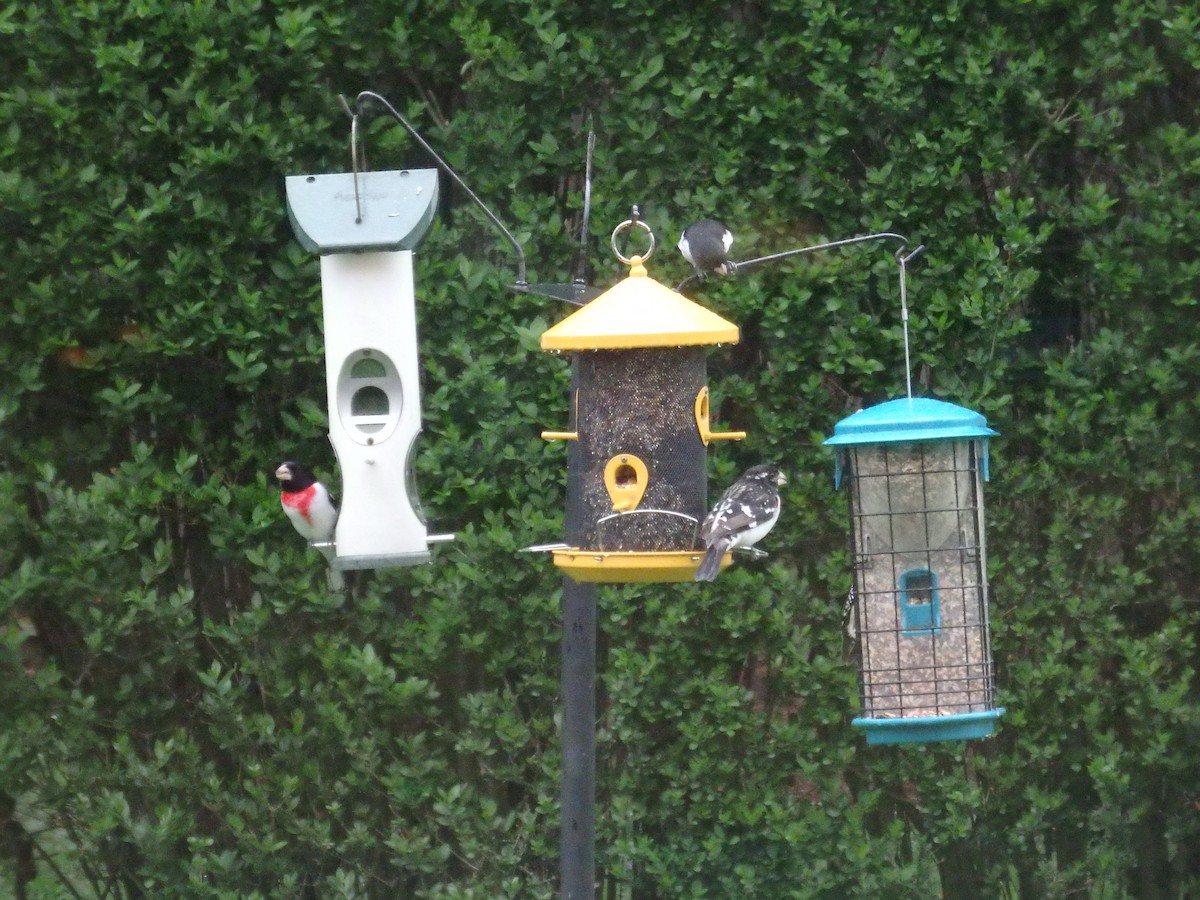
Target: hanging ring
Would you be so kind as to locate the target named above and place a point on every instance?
(629, 223)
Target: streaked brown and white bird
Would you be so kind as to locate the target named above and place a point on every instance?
(312, 511)
(743, 516)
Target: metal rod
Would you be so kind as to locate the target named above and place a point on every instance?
(903, 262)
(581, 269)
(445, 167)
(577, 849)
(354, 167)
(643, 511)
(883, 235)
(904, 322)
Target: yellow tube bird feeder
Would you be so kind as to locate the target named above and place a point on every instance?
(636, 479)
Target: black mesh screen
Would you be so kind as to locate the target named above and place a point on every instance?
(920, 579)
(639, 402)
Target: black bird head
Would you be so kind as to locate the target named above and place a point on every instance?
(294, 477)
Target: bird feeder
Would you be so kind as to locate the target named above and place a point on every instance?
(915, 470)
(365, 225)
(637, 484)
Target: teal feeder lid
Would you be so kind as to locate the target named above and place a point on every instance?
(909, 419)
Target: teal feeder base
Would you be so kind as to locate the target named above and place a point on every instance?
(964, 727)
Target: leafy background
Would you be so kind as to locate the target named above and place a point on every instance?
(189, 714)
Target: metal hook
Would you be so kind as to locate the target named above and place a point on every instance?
(903, 262)
(578, 292)
(445, 167)
(604, 520)
(354, 157)
(354, 167)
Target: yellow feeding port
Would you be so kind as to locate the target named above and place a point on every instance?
(626, 478)
(628, 566)
(639, 312)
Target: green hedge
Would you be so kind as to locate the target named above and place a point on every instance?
(189, 713)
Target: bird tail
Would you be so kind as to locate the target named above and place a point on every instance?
(710, 566)
(337, 581)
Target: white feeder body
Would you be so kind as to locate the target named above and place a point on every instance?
(372, 377)
(364, 226)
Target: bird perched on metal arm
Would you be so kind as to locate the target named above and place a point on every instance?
(312, 510)
(705, 244)
(742, 517)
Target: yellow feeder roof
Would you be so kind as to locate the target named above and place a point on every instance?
(639, 312)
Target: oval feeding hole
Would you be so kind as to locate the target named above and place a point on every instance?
(369, 401)
(625, 476)
(368, 368)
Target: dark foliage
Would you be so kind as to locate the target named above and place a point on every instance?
(188, 713)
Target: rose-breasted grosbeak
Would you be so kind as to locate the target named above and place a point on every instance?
(311, 509)
(705, 244)
(741, 518)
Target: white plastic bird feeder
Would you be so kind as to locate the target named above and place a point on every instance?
(365, 225)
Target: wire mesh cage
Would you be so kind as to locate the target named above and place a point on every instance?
(919, 580)
(915, 474)
(638, 403)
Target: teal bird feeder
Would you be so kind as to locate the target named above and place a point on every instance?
(915, 469)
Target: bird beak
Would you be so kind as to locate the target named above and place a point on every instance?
(781, 480)
(283, 473)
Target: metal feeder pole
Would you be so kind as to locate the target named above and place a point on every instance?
(577, 850)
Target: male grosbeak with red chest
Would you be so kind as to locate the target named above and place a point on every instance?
(311, 509)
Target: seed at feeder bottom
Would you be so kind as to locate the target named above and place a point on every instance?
(929, 713)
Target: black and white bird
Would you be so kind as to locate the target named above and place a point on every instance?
(312, 510)
(741, 518)
(705, 244)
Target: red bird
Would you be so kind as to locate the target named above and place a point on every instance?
(312, 511)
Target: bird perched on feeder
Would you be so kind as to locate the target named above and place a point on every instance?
(311, 509)
(742, 517)
(705, 244)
